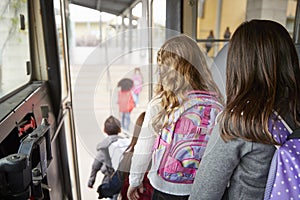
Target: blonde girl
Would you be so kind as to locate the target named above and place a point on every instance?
(183, 74)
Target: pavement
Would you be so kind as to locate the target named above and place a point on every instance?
(85, 66)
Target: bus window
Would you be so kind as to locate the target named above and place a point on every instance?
(59, 35)
(14, 45)
(215, 19)
(159, 22)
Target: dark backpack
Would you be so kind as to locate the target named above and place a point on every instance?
(116, 181)
(108, 190)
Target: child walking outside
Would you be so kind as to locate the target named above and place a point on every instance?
(182, 113)
(103, 160)
(125, 101)
(137, 85)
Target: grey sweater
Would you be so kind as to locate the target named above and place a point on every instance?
(241, 165)
(102, 161)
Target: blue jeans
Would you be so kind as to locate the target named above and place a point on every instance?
(125, 120)
(135, 98)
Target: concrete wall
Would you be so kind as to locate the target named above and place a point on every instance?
(267, 9)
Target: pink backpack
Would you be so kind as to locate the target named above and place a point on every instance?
(137, 83)
(180, 146)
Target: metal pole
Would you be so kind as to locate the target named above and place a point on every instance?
(150, 50)
(130, 29)
(296, 33)
(71, 137)
(218, 24)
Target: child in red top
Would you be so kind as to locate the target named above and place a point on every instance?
(126, 103)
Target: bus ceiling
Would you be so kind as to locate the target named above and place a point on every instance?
(113, 7)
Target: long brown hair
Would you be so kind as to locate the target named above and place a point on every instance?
(182, 67)
(136, 132)
(262, 77)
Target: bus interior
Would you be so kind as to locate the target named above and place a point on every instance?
(59, 74)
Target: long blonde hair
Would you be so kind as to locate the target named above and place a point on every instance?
(182, 67)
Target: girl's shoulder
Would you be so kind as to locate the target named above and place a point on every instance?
(107, 141)
(155, 101)
(201, 93)
(207, 96)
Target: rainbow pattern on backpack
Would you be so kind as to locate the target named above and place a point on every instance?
(185, 139)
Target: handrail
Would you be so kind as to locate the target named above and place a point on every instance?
(296, 33)
(212, 40)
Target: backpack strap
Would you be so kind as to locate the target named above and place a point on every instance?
(295, 134)
(271, 176)
(206, 116)
(159, 141)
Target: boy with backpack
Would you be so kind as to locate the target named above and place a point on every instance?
(112, 143)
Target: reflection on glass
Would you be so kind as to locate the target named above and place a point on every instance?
(14, 45)
(59, 36)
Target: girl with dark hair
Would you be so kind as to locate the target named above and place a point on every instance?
(262, 87)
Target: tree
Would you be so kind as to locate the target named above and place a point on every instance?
(9, 20)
